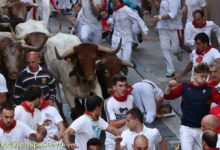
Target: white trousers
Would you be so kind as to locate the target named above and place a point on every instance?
(64, 4)
(90, 32)
(190, 138)
(135, 31)
(45, 10)
(125, 51)
(169, 42)
(145, 100)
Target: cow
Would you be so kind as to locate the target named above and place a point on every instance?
(73, 64)
(107, 67)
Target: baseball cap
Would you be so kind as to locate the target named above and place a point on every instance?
(3, 86)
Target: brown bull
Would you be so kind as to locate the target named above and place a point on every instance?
(84, 57)
(109, 66)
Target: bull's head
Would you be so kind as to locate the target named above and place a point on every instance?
(19, 9)
(84, 57)
(12, 56)
(112, 65)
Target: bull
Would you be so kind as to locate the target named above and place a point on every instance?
(14, 13)
(73, 64)
(107, 67)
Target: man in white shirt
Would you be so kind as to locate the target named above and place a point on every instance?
(198, 25)
(27, 112)
(116, 108)
(3, 89)
(88, 126)
(134, 121)
(192, 5)
(148, 98)
(53, 122)
(13, 133)
(203, 53)
(122, 20)
(89, 28)
(169, 26)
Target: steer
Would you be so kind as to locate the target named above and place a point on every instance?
(75, 68)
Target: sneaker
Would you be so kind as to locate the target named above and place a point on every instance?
(139, 36)
(134, 45)
(170, 75)
(179, 56)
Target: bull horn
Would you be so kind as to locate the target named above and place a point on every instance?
(68, 52)
(98, 62)
(30, 48)
(110, 50)
(6, 25)
(128, 64)
(16, 37)
(50, 35)
(7, 5)
(32, 5)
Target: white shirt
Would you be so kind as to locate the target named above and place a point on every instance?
(122, 21)
(85, 128)
(190, 32)
(193, 5)
(116, 110)
(31, 120)
(51, 113)
(3, 85)
(15, 137)
(171, 8)
(153, 136)
(87, 14)
(208, 58)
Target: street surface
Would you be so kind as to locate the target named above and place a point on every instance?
(150, 65)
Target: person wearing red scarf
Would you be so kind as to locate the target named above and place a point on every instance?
(116, 108)
(27, 112)
(14, 131)
(53, 122)
(204, 52)
(198, 25)
(125, 22)
(88, 126)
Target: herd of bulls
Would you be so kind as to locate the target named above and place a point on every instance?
(74, 64)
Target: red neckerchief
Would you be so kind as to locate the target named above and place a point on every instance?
(7, 129)
(119, 6)
(201, 54)
(27, 108)
(89, 114)
(213, 83)
(44, 104)
(120, 99)
(196, 25)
